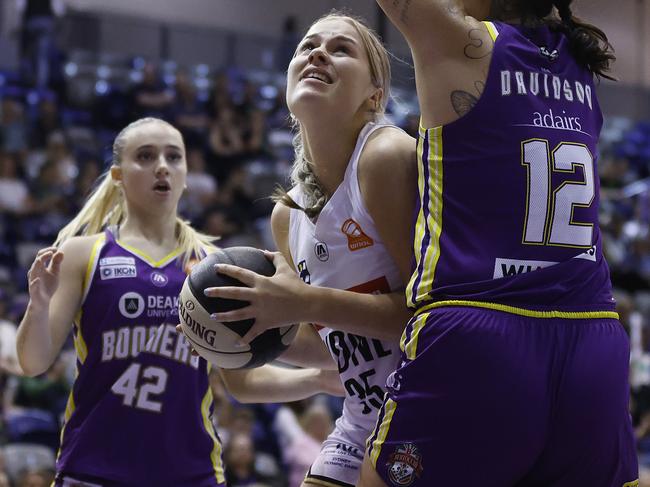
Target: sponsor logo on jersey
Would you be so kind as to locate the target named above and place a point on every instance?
(404, 465)
(118, 267)
(131, 305)
(321, 251)
(357, 239)
(304, 272)
(159, 279)
(118, 260)
(512, 267)
(117, 272)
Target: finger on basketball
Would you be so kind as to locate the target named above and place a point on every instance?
(235, 315)
(230, 292)
(242, 275)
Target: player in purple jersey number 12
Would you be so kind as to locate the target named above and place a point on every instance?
(514, 367)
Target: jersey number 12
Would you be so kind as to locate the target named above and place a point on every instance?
(549, 211)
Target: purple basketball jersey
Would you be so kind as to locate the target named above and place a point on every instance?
(508, 213)
(139, 412)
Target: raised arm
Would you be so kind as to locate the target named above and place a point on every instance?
(55, 291)
(451, 53)
(417, 20)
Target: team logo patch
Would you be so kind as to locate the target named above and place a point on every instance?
(304, 272)
(321, 251)
(159, 279)
(404, 465)
(550, 55)
(357, 239)
(131, 305)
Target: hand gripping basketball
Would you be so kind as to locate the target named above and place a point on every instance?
(221, 341)
(275, 301)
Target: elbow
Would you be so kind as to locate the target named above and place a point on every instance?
(241, 396)
(31, 370)
(235, 389)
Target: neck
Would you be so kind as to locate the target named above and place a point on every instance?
(157, 229)
(329, 147)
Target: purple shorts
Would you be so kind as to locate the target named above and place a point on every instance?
(495, 399)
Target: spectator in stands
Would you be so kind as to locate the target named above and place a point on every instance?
(254, 134)
(201, 192)
(36, 478)
(220, 95)
(188, 113)
(59, 154)
(47, 122)
(35, 405)
(302, 437)
(37, 38)
(151, 98)
(14, 194)
(241, 468)
(225, 142)
(8, 358)
(88, 174)
(13, 129)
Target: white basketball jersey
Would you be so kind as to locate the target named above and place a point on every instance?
(343, 250)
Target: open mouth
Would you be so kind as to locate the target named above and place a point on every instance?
(162, 187)
(318, 76)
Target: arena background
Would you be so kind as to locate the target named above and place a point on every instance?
(215, 68)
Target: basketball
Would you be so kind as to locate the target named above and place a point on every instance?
(214, 341)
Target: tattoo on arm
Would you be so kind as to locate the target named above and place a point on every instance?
(462, 102)
(477, 48)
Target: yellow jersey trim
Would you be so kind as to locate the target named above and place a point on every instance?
(410, 347)
(147, 258)
(69, 409)
(215, 456)
(634, 483)
(571, 315)
(79, 342)
(429, 222)
(492, 30)
(91, 266)
(389, 410)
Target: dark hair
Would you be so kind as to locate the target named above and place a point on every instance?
(588, 43)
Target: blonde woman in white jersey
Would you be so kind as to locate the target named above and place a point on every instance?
(345, 226)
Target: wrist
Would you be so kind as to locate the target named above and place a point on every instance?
(313, 304)
(35, 307)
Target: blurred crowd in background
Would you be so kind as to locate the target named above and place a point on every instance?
(56, 134)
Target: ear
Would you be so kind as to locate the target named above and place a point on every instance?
(375, 99)
(116, 175)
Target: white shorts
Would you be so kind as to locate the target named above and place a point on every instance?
(338, 464)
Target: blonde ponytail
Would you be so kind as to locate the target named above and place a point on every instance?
(193, 244)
